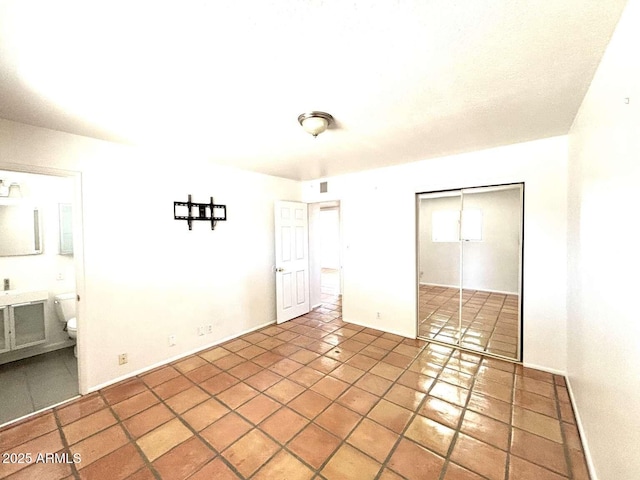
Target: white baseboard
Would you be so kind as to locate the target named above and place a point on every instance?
(544, 369)
(583, 438)
(177, 357)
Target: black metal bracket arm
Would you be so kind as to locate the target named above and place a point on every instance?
(191, 211)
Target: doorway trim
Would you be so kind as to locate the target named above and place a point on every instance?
(78, 254)
(314, 251)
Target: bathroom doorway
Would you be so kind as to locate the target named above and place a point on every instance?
(38, 367)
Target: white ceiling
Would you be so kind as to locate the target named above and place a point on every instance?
(406, 80)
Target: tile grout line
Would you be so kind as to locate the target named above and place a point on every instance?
(363, 416)
(132, 441)
(66, 446)
(416, 410)
(178, 416)
(285, 446)
(565, 445)
(344, 440)
(415, 414)
(555, 400)
(383, 464)
(458, 428)
(218, 454)
(234, 410)
(511, 426)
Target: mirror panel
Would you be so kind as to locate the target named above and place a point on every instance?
(490, 237)
(469, 268)
(439, 267)
(20, 231)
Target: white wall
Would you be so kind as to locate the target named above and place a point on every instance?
(603, 320)
(492, 264)
(48, 271)
(379, 235)
(146, 276)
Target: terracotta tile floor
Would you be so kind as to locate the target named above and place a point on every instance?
(314, 398)
(489, 319)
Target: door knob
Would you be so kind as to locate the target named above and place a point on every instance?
(279, 269)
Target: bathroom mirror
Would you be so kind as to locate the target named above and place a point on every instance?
(20, 230)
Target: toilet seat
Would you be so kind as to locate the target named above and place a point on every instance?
(72, 327)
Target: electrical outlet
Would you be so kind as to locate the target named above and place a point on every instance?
(123, 358)
(378, 315)
(200, 331)
(60, 276)
(172, 340)
(209, 328)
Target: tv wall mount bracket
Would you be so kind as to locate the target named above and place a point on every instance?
(191, 211)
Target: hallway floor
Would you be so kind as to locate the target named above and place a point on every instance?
(314, 398)
(330, 281)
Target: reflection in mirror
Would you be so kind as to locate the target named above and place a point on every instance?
(439, 269)
(469, 250)
(491, 272)
(20, 232)
(66, 228)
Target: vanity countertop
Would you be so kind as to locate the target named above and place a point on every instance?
(13, 297)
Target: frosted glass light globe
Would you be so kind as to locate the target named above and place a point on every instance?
(315, 125)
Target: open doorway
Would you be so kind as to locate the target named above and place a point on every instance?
(325, 259)
(38, 362)
(330, 251)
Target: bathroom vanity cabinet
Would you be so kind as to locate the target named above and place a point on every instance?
(22, 320)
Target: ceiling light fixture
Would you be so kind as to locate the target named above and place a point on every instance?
(315, 122)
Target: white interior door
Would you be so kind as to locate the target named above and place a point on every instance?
(292, 260)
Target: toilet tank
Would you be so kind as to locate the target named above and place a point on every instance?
(65, 305)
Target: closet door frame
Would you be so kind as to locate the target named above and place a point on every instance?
(460, 192)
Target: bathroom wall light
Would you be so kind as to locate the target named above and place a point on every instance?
(14, 190)
(315, 122)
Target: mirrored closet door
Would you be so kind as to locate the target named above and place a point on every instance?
(470, 268)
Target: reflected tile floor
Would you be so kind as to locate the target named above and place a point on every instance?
(314, 398)
(489, 319)
(37, 382)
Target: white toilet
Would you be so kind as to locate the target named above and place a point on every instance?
(65, 305)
